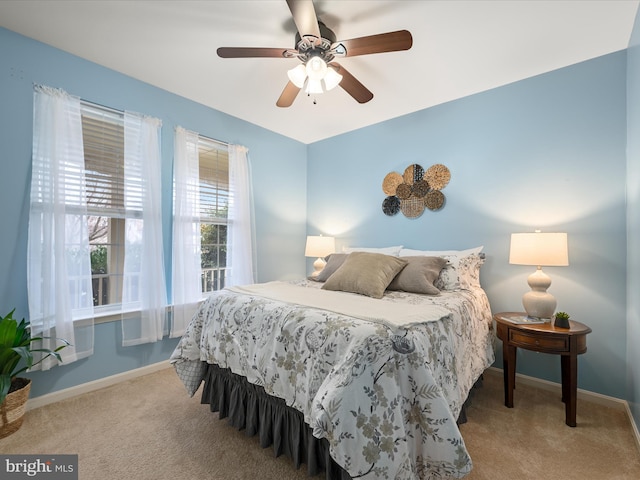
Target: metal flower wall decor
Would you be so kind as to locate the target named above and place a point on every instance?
(415, 190)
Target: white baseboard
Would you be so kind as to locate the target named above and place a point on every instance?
(636, 433)
(70, 392)
(584, 395)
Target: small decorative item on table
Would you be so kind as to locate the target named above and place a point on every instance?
(561, 320)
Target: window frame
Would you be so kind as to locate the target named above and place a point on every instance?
(209, 148)
(111, 120)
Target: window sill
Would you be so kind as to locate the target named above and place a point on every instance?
(107, 317)
(112, 315)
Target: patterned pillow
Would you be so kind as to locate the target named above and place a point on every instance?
(460, 272)
(462, 269)
(469, 270)
(365, 273)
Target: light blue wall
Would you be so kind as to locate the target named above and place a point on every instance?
(275, 161)
(547, 152)
(633, 220)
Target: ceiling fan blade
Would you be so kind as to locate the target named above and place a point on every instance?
(252, 52)
(304, 16)
(351, 85)
(383, 42)
(288, 95)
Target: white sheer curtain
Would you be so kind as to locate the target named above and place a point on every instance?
(240, 240)
(144, 286)
(186, 273)
(59, 263)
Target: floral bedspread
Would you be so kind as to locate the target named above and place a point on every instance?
(386, 401)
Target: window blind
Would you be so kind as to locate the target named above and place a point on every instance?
(214, 180)
(108, 192)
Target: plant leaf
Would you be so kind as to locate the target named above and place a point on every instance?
(8, 328)
(5, 384)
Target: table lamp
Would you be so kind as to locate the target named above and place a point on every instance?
(319, 246)
(539, 249)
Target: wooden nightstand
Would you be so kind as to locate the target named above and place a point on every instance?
(545, 338)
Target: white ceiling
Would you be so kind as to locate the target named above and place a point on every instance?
(459, 48)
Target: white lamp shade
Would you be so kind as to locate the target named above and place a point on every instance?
(314, 86)
(298, 75)
(332, 79)
(316, 68)
(317, 71)
(319, 246)
(539, 248)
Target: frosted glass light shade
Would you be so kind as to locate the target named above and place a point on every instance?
(314, 86)
(332, 79)
(316, 68)
(298, 75)
(317, 71)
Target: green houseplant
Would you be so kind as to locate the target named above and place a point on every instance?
(16, 357)
(561, 320)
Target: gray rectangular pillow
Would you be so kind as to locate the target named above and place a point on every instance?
(419, 275)
(365, 273)
(334, 261)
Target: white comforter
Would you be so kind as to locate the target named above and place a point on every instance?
(395, 315)
(385, 396)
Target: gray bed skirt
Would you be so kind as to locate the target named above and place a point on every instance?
(248, 407)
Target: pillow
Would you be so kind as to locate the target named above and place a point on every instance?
(365, 273)
(418, 276)
(461, 271)
(334, 261)
(393, 251)
(469, 270)
(407, 252)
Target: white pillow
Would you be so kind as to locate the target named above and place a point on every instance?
(406, 252)
(393, 251)
(461, 271)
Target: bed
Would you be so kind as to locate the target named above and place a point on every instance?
(359, 384)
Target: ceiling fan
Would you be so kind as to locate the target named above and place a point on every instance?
(316, 47)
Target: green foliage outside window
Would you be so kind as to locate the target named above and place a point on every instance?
(99, 259)
(214, 245)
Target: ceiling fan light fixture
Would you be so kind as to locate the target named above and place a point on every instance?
(298, 75)
(316, 68)
(314, 86)
(332, 79)
(316, 46)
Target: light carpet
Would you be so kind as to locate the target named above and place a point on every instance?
(148, 428)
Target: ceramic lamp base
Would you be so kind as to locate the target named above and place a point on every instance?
(538, 302)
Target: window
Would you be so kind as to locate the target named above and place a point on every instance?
(95, 220)
(200, 223)
(212, 223)
(213, 160)
(103, 139)
(114, 193)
